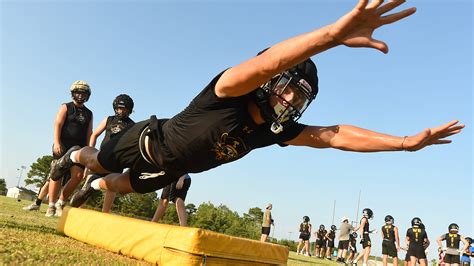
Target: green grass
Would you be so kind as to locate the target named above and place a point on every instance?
(31, 238)
(28, 237)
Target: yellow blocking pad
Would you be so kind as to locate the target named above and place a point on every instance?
(166, 244)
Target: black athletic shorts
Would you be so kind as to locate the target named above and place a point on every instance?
(330, 244)
(123, 151)
(407, 257)
(448, 258)
(265, 230)
(417, 251)
(366, 242)
(304, 236)
(320, 243)
(171, 193)
(389, 248)
(343, 244)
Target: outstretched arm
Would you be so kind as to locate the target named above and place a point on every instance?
(353, 29)
(351, 138)
(100, 128)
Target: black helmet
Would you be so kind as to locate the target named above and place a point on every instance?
(416, 222)
(354, 234)
(80, 86)
(333, 228)
(453, 227)
(123, 101)
(367, 213)
(321, 227)
(469, 240)
(301, 80)
(389, 219)
(306, 218)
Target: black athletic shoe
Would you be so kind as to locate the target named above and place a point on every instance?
(82, 195)
(60, 166)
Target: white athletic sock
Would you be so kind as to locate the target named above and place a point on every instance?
(51, 204)
(95, 184)
(60, 202)
(73, 157)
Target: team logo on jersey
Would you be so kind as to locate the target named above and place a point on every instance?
(229, 148)
(151, 175)
(80, 117)
(116, 128)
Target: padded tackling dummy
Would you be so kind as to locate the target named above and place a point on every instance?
(166, 244)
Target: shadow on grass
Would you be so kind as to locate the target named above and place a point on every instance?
(30, 227)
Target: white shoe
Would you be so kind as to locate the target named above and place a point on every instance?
(50, 211)
(59, 209)
(32, 207)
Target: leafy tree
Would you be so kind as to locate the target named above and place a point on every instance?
(171, 216)
(3, 186)
(289, 243)
(39, 171)
(217, 219)
(143, 205)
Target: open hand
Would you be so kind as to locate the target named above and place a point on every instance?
(355, 29)
(432, 136)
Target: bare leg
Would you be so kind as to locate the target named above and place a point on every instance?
(87, 156)
(299, 245)
(181, 210)
(344, 252)
(44, 191)
(306, 247)
(263, 238)
(423, 262)
(160, 210)
(53, 191)
(76, 177)
(115, 182)
(108, 201)
(385, 260)
(366, 254)
(395, 261)
(359, 256)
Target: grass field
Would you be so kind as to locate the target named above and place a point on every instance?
(31, 238)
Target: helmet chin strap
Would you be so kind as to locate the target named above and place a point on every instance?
(276, 127)
(283, 114)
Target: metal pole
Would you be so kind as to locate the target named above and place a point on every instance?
(358, 205)
(21, 172)
(333, 211)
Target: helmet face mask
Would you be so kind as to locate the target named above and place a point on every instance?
(80, 91)
(389, 219)
(416, 222)
(289, 96)
(285, 97)
(333, 227)
(453, 228)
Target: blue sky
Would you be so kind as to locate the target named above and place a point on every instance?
(162, 53)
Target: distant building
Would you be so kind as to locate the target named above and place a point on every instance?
(21, 193)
